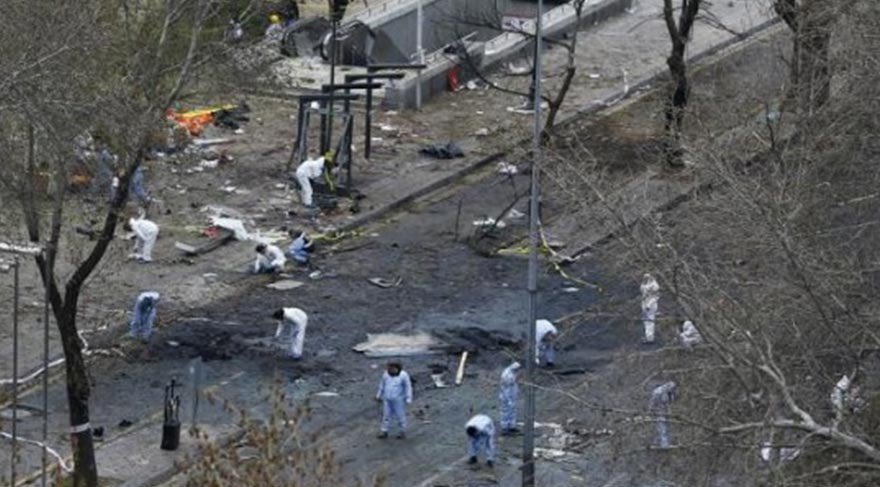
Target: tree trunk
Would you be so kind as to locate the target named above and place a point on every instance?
(78, 392)
(675, 106)
(810, 73)
(815, 70)
(556, 104)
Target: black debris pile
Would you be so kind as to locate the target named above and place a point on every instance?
(449, 150)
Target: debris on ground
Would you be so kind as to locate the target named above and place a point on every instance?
(385, 283)
(400, 345)
(474, 339)
(459, 376)
(507, 168)
(285, 285)
(489, 222)
(326, 394)
(482, 132)
(438, 380)
(194, 121)
(209, 142)
(234, 225)
(449, 150)
(232, 118)
(221, 237)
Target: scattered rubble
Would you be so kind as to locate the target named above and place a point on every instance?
(385, 283)
(285, 285)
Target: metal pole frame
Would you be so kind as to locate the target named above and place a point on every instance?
(368, 120)
(528, 470)
(32, 251)
(15, 300)
(49, 278)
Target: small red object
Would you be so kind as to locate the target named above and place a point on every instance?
(452, 79)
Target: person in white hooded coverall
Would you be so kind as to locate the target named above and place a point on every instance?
(291, 331)
(269, 259)
(481, 438)
(307, 171)
(689, 335)
(650, 290)
(545, 349)
(395, 392)
(839, 397)
(508, 395)
(661, 397)
(146, 233)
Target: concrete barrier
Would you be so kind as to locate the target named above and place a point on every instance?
(490, 54)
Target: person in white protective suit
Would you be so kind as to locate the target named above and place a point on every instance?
(689, 335)
(309, 170)
(545, 337)
(650, 290)
(661, 397)
(839, 397)
(507, 395)
(270, 259)
(291, 331)
(145, 233)
(481, 439)
(395, 392)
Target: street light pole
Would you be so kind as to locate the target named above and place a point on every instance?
(528, 469)
(420, 53)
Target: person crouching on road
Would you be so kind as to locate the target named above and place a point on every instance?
(143, 316)
(481, 439)
(291, 331)
(145, 233)
(545, 346)
(270, 259)
(308, 171)
(395, 392)
(301, 247)
(508, 395)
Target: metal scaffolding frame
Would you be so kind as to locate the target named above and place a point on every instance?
(19, 251)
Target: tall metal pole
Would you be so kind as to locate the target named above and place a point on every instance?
(48, 273)
(329, 135)
(528, 471)
(15, 373)
(421, 54)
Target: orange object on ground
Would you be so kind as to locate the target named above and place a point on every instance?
(194, 121)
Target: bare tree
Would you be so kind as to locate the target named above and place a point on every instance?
(277, 451)
(679, 34)
(105, 66)
(471, 63)
(773, 258)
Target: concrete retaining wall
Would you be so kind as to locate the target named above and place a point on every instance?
(491, 54)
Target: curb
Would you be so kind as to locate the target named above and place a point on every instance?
(636, 90)
(374, 215)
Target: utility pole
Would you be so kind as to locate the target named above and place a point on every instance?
(327, 133)
(420, 52)
(528, 469)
